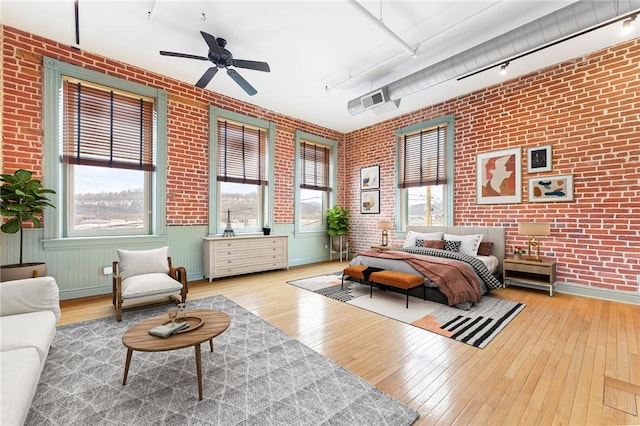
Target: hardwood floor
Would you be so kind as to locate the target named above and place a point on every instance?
(562, 360)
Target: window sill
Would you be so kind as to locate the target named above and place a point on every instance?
(104, 241)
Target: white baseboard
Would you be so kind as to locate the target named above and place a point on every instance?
(598, 293)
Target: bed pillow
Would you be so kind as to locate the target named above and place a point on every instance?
(485, 248)
(469, 243)
(412, 235)
(450, 245)
(436, 244)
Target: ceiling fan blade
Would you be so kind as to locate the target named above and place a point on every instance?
(211, 42)
(241, 82)
(206, 77)
(184, 55)
(252, 65)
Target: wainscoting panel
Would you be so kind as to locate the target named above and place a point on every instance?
(79, 268)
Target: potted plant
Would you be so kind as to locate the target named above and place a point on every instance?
(337, 225)
(266, 230)
(23, 200)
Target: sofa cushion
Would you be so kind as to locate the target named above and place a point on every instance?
(18, 382)
(31, 330)
(149, 285)
(30, 295)
(138, 262)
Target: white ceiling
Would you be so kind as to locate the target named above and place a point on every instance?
(309, 45)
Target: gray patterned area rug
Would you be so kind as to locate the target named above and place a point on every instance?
(257, 375)
(476, 327)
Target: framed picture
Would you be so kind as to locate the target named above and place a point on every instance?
(499, 177)
(370, 202)
(539, 159)
(370, 177)
(551, 188)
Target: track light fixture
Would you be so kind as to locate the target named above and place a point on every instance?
(503, 68)
(628, 23)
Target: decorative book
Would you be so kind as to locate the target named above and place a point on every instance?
(167, 330)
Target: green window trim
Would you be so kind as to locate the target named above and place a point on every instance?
(301, 136)
(216, 114)
(401, 212)
(54, 71)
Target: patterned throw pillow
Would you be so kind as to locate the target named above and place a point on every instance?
(435, 244)
(452, 245)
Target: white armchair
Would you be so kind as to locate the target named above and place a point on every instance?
(146, 275)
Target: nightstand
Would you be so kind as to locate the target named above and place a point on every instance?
(530, 273)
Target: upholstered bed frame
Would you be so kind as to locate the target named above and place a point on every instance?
(492, 234)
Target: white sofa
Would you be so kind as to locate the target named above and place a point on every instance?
(29, 310)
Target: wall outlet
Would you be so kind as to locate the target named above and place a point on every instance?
(107, 270)
(326, 247)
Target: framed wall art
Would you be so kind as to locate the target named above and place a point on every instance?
(370, 177)
(539, 159)
(551, 188)
(370, 202)
(499, 177)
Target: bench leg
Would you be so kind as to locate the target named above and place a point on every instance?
(370, 289)
(407, 307)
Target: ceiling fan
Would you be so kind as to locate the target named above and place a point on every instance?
(222, 58)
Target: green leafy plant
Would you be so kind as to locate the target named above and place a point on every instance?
(337, 220)
(23, 200)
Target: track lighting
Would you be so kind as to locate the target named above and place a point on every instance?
(627, 24)
(503, 68)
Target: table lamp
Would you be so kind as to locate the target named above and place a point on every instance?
(384, 225)
(534, 230)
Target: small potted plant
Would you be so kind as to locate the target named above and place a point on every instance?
(337, 224)
(266, 230)
(518, 252)
(23, 200)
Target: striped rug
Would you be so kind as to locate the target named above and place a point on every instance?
(476, 327)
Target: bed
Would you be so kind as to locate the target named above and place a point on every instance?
(446, 270)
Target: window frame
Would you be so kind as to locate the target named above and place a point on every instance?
(448, 191)
(216, 113)
(332, 196)
(54, 175)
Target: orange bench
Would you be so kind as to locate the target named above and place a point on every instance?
(401, 280)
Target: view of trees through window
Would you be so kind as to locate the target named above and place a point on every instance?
(239, 202)
(107, 199)
(312, 209)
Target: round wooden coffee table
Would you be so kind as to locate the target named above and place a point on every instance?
(137, 338)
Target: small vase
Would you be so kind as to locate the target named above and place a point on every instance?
(517, 256)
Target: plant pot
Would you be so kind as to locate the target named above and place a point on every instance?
(517, 256)
(266, 231)
(26, 270)
(339, 243)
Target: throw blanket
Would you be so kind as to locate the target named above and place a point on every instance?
(455, 279)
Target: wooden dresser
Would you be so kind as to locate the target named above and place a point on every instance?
(227, 256)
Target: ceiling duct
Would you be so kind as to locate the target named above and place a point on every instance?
(569, 21)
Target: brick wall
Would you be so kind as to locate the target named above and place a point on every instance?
(188, 125)
(588, 109)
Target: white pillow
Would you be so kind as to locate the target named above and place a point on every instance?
(469, 243)
(138, 262)
(412, 236)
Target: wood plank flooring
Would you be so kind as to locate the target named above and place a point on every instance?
(562, 360)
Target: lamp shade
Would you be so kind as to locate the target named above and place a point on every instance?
(384, 224)
(534, 228)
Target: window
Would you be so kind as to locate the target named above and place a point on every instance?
(105, 151)
(315, 175)
(241, 155)
(107, 156)
(425, 173)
